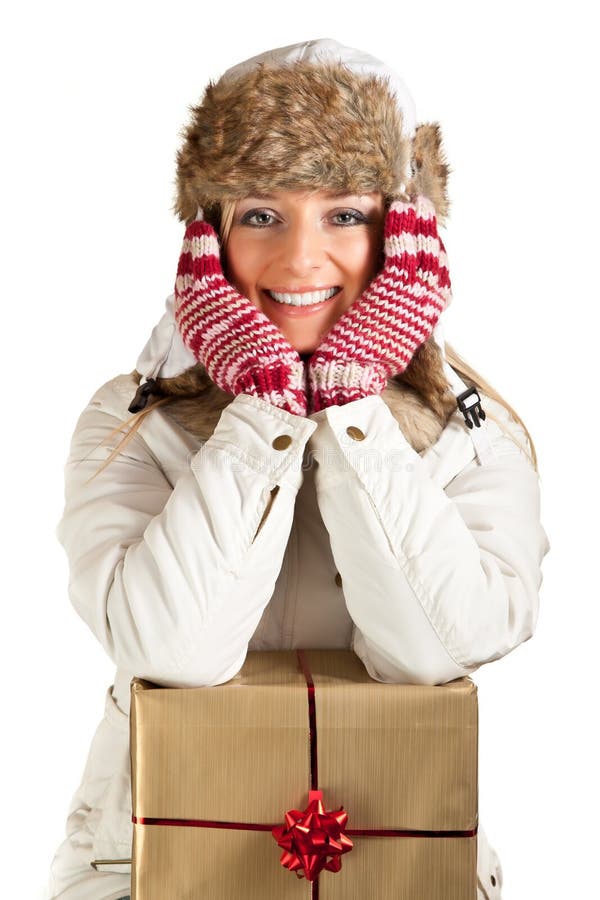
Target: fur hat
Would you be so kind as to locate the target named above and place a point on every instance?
(317, 115)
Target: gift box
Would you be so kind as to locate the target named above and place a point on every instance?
(302, 777)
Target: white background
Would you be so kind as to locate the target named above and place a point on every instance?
(93, 98)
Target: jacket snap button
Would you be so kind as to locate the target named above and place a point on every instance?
(282, 442)
(493, 880)
(355, 433)
(338, 579)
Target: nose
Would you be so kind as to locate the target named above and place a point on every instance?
(303, 249)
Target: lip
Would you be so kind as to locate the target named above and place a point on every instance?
(302, 290)
(297, 312)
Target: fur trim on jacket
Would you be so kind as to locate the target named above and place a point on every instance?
(420, 399)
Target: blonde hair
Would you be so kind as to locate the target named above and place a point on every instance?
(471, 377)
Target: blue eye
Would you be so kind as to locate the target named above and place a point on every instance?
(358, 217)
(353, 214)
(256, 212)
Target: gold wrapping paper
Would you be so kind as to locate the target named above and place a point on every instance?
(394, 756)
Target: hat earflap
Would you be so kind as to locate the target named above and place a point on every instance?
(429, 169)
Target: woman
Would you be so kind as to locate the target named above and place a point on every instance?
(308, 463)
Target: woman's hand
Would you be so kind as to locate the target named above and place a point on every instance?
(240, 348)
(378, 335)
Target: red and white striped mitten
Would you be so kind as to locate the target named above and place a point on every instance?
(378, 335)
(238, 345)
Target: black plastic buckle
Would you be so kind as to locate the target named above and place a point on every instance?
(469, 403)
(140, 401)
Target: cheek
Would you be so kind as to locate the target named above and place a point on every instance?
(366, 259)
(242, 261)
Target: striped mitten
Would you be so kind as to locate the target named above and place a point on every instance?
(378, 335)
(238, 345)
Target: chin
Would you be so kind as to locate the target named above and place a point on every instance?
(304, 348)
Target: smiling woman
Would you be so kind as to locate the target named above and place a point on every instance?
(369, 339)
(305, 258)
(305, 317)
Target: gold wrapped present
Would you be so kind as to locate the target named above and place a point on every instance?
(302, 777)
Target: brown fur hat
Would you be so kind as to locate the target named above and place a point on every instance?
(319, 125)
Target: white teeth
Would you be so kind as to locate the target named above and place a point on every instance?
(304, 299)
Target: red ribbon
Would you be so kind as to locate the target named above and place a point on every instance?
(308, 838)
(312, 840)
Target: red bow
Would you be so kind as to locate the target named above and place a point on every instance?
(308, 838)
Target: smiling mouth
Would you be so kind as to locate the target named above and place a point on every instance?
(308, 298)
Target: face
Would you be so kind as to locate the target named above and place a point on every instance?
(290, 251)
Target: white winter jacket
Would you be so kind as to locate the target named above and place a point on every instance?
(280, 532)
